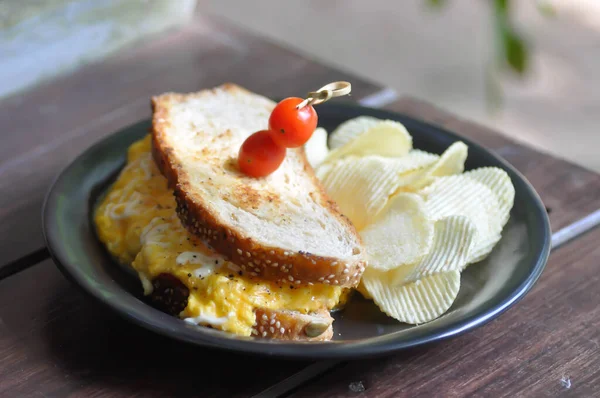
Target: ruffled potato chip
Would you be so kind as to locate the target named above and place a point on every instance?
(464, 196)
(453, 241)
(386, 138)
(421, 159)
(401, 234)
(498, 181)
(316, 147)
(361, 186)
(418, 302)
(451, 162)
(350, 129)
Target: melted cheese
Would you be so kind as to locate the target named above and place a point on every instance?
(137, 223)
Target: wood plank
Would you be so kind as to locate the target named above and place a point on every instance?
(54, 341)
(549, 345)
(570, 192)
(46, 128)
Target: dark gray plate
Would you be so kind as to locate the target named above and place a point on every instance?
(487, 289)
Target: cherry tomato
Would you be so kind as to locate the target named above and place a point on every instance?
(259, 155)
(292, 127)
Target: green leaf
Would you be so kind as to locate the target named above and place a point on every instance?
(501, 6)
(515, 51)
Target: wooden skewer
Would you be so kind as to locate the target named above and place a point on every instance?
(325, 93)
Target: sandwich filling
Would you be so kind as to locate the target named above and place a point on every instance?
(137, 222)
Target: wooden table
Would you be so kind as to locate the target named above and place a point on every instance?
(56, 342)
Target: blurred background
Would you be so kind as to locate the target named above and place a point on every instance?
(536, 81)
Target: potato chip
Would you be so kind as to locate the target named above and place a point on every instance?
(463, 196)
(432, 156)
(350, 129)
(422, 159)
(316, 147)
(362, 186)
(361, 289)
(451, 162)
(498, 181)
(386, 138)
(418, 302)
(453, 241)
(500, 184)
(401, 234)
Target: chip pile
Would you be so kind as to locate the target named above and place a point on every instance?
(422, 218)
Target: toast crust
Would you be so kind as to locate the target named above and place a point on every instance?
(255, 258)
(292, 325)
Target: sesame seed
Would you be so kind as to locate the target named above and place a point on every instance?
(254, 332)
(264, 334)
(331, 276)
(271, 329)
(275, 264)
(271, 252)
(355, 274)
(250, 263)
(254, 324)
(291, 278)
(286, 253)
(297, 282)
(278, 324)
(333, 264)
(346, 271)
(282, 331)
(286, 270)
(248, 254)
(321, 279)
(268, 261)
(272, 322)
(336, 282)
(326, 281)
(313, 261)
(272, 316)
(253, 274)
(240, 252)
(257, 269)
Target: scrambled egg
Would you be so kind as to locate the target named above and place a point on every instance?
(138, 224)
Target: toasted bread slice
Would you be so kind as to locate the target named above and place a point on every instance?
(282, 227)
(293, 325)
